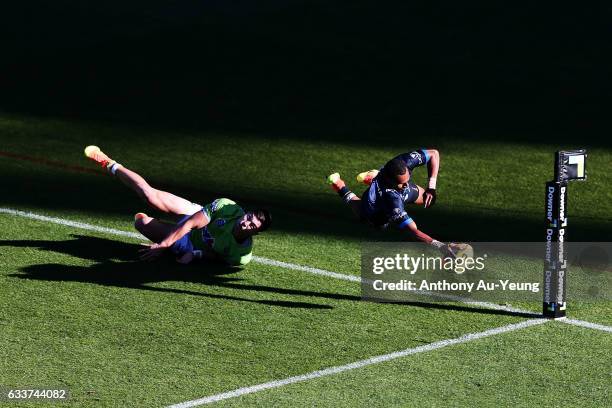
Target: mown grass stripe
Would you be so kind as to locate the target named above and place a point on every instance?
(358, 364)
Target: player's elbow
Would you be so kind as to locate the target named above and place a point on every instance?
(408, 225)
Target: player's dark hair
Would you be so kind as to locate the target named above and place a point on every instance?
(264, 216)
(395, 167)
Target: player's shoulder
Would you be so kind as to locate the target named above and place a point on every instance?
(225, 205)
(223, 208)
(220, 203)
(416, 157)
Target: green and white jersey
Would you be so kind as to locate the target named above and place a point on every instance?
(217, 236)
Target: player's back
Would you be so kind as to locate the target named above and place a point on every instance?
(380, 204)
(223, 214)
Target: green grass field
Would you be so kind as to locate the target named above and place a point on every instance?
(78, 310)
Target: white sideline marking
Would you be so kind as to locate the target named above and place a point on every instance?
(588, 325)
(308, 269)
(358, 364)
(69, 223)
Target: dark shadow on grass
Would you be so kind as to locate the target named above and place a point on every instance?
(84, 247)
(337, 296)
(118, 267)
(138, 275)
(444, 306)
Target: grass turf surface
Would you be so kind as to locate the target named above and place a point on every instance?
(79, 311)
(523, 368)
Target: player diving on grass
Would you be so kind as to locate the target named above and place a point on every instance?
(390, 189)
(220, 230)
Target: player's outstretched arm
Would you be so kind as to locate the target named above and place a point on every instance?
(197, 220)
(412, 229)
(433, 166)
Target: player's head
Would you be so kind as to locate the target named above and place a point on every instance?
(395, 174)
(254, 222)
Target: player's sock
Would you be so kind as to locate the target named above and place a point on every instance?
(366, 177)
(112, 167)
(94, 153)
(338, 185)
(346, 194)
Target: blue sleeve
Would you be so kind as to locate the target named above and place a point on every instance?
(424, 150)
(415, 158)
(405, 223)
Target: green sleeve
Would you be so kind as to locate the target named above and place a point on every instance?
(239, 260)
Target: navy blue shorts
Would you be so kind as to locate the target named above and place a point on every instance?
(183, 245)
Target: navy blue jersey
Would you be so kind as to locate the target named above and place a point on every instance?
(414, 159)
(385, 206)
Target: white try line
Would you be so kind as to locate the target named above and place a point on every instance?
(588, 325)
(358, 364)
(287, 265)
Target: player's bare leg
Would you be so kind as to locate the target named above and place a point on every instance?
(156, 199)
(151, 228)
(338, 185)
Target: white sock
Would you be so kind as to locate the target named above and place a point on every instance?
(348, 197)
(113, 168)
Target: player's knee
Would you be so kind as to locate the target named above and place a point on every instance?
(141, 223)
(149, 196)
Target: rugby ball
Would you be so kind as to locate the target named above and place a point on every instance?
(462, 250)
